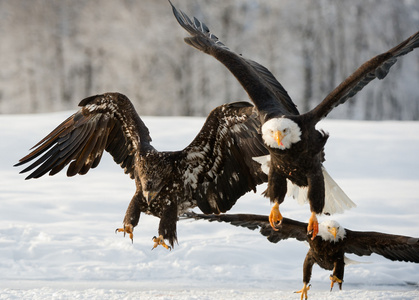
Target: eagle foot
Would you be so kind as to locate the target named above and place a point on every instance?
(127, 229)
(160, 241)
(313, 226)
(304, 291)
(334, 279)
(275, 217)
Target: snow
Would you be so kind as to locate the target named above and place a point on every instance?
(58, 241)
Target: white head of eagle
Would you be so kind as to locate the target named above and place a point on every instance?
(331, 231)
(280, 133)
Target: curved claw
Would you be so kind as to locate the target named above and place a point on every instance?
(127, 229)
(313, 226)
(275, 216)
(334, 279)
(160, 241)
(304, 291)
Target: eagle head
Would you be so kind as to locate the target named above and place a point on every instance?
(280, 133)
(152, 172)
(151, 188)
(331, 231)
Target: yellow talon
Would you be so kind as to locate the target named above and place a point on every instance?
(275, 216)
(313, 225)
(304, 291)
(160, 241)
(334, 279)
(127, 229)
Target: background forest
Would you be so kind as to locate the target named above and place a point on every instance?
(55, 53)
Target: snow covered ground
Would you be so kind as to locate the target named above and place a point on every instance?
(57, 238)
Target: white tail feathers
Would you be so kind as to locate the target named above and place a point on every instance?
(297, 192)
(349, 261)
(336, 201)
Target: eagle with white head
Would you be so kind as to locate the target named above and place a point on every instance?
(329, 247)
(296, 148)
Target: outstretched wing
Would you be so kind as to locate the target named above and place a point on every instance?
(393, 247)
(218, 164)
(289, 228)
(105, 122)
(264, 90)
(377, 67)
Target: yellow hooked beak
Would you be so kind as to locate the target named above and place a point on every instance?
(149, 196)
(334, 231)
(278, 137)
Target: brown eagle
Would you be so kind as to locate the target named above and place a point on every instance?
(328, 248)
(212, 172)
(296, 147)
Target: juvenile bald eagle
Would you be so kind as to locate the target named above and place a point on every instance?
(211, 173)
(296, 148)
(328, 248)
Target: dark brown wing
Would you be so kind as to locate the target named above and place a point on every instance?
(377, 67)
(393, 247)
(264, 90)
(218, 164)
(105, 122)
(288, 229)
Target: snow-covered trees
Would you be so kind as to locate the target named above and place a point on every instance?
(55, 53)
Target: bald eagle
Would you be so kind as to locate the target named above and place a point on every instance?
(328, 248)
(296, 147)
(211, 173)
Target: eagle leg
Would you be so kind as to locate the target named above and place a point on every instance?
(160, 241)
(304, 291)
(275, 216)
(127, 229)
(334, 279)
(313, 225)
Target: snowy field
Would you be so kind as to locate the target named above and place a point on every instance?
(57, 238)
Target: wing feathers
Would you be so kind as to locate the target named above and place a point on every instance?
(219, 167)
(377, 67)
(106, 121)
(265, 91)
(85, 151)
(288, 229)
(393, 247)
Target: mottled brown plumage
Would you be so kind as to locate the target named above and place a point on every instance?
(211, 173)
